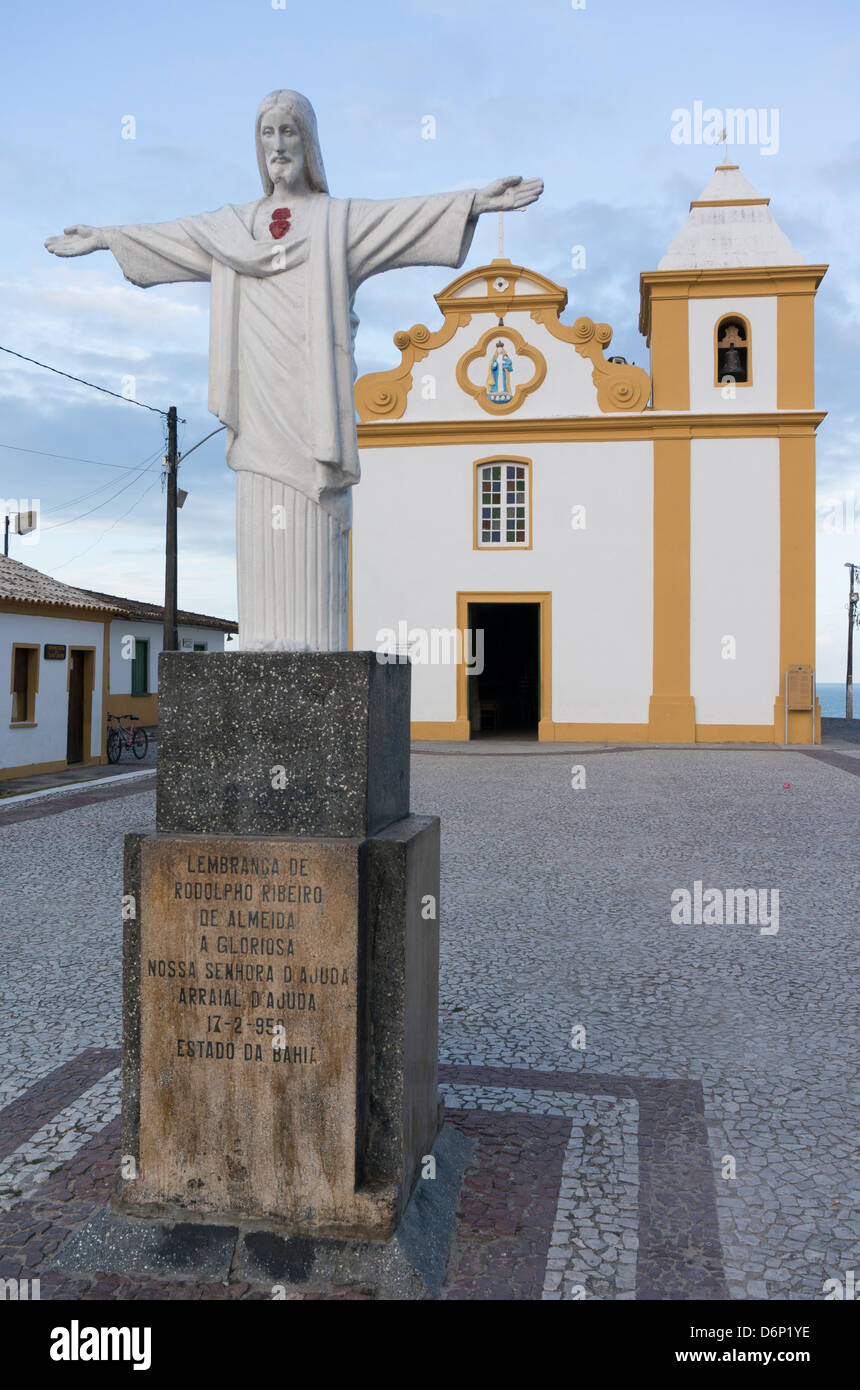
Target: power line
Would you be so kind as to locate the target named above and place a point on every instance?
(142, 467)
(108, 528)
(70, 458)
(99, 505)
(81, 382)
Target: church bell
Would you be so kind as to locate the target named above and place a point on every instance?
(733, 363)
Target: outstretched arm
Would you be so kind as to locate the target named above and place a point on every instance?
(436, 230)
(161, 253)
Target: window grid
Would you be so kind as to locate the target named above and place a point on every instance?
(503, 504)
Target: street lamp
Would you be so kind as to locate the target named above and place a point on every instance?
(853, 599)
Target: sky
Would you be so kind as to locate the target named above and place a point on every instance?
(581, 94)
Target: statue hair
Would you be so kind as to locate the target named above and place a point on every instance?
(306, 121)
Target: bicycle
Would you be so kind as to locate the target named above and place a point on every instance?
(118, 738)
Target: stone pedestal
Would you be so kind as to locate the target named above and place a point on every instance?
(281, 952)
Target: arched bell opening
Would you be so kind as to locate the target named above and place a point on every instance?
(733, 351)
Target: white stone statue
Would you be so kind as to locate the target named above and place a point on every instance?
(284, 272)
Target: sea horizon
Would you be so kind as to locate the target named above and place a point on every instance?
(831, 697)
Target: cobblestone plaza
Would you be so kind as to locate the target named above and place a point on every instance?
(659, 1110)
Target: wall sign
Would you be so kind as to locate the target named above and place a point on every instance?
(53, 652)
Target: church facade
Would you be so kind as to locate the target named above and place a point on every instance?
(572, 547)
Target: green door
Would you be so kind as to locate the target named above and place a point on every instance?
(140, 668)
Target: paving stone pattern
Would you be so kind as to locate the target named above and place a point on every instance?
(601, 1164)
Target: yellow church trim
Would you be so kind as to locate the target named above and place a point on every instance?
(457, 731)
(671, 711)
(521, 389)
(729, 203)
(599, 733)
(439, 730)
(651, 424)
(620, 386)
(670, 353)
(796, 581)
(795, 352)
(724, 282)
(382, 395)
(501, 302)
(476, 502)
(544, 600)
(732, 314)
(735, 733)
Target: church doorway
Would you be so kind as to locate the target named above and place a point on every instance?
(504, 697)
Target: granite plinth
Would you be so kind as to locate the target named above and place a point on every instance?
(287, 743)
(279, 1027)
(411, 1264)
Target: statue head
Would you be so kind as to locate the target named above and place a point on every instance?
(302, 113)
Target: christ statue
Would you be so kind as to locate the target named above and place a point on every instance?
(284, 272)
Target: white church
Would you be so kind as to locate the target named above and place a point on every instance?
(571, 547)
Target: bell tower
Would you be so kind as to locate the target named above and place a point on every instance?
(729, 318)
(731, 297)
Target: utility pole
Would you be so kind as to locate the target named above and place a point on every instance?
(6, 535)
(170, 642)
(853, 597)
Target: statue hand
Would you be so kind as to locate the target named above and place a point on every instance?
(77, 241)
(508, 194)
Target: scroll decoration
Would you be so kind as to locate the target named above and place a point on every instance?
(382, 395)
(620, 385)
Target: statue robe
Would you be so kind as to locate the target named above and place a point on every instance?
(281, 375)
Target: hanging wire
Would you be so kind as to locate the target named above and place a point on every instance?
(72, 458)
(81, 382)
(108, 528)
(70, 520)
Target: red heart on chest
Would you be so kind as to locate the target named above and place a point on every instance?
(280, 223)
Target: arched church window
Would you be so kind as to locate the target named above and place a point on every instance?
(733, 351)
(503, 504)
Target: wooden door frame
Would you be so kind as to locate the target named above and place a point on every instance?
(543, 599)
(88, 681)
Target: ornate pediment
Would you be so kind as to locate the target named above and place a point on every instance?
(514, 364)
(620, 385)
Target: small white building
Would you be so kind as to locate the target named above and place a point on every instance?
(74, 655)
(137, 639)
(53, 642)
(624, 552)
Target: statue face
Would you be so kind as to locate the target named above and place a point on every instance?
(282, 145)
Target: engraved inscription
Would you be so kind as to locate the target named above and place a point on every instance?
(248, 1024)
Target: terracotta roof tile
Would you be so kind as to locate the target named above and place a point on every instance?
(19, 581)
